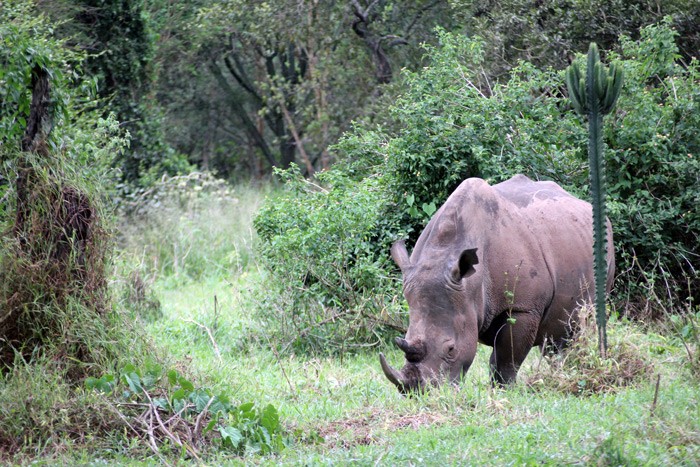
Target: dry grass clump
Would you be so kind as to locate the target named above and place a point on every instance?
(52, 260)
(57, 320)
(581, 370)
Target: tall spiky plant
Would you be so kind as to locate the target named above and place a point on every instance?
(594, 96)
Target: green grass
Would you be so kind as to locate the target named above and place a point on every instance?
(345, 411)
(341, 410)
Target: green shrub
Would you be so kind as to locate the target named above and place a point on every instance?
(328, 245)
(654, 171)
(179, 418)
(319, 243)
(452, 126)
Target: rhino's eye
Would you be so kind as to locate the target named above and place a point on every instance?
(450, 351)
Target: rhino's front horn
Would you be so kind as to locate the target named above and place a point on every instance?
(393, 375)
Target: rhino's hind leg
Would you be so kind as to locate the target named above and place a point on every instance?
(511, 345)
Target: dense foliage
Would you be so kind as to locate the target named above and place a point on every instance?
(449, 128)
(54, 248)
(239, 87)
(320, 244)
(59, 322)
(119, 45)
(548, 32)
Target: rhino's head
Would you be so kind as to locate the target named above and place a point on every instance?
(443, 327)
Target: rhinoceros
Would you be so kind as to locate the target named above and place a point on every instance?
(508, 265)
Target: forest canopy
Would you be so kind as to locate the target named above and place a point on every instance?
(240, 87)
(398, 100)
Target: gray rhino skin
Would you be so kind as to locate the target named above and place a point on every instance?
(519, 249)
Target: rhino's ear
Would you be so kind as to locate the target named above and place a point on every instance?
(465, 265)
(400, 255)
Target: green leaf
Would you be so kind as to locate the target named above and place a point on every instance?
(246, 407)
(429, 209)
(91, 382)
(133, 381)
(210, 426)
(162, 403)
(230, 436)
(107, 383)
(200, 399)
(149, 381)
(186, 385)
(220, 404)
(270, 418)
(178, 395)
(172, 377)
(129, 368)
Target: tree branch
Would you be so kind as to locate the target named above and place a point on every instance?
(248, 124)
(418, 16)
(297, 139)
(39, 121)
(241, 79)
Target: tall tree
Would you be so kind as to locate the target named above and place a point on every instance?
(281, 80)
(548, 32)
(117, 36)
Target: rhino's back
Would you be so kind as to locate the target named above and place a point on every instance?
(524, 192)
(560, 223)
(562, 226)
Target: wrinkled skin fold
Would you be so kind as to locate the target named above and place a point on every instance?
(508, 266)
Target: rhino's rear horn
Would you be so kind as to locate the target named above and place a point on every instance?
(414, 353)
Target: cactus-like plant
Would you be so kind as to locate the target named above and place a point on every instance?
(594, 96)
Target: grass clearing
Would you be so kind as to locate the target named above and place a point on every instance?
(342, 410)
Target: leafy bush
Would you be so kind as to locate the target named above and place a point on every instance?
(320, 245)
(654, 168)
(453, 126)
(330, 244)
(169, 413)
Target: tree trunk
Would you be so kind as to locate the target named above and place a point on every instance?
(34, 140)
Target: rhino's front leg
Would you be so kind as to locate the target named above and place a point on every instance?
(513, 342)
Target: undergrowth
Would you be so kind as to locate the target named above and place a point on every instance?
(52, 263)
(58, 324)
(580, 369)
(171, 416)
(189, 227)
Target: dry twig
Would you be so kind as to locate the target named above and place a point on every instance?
(211, 337)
